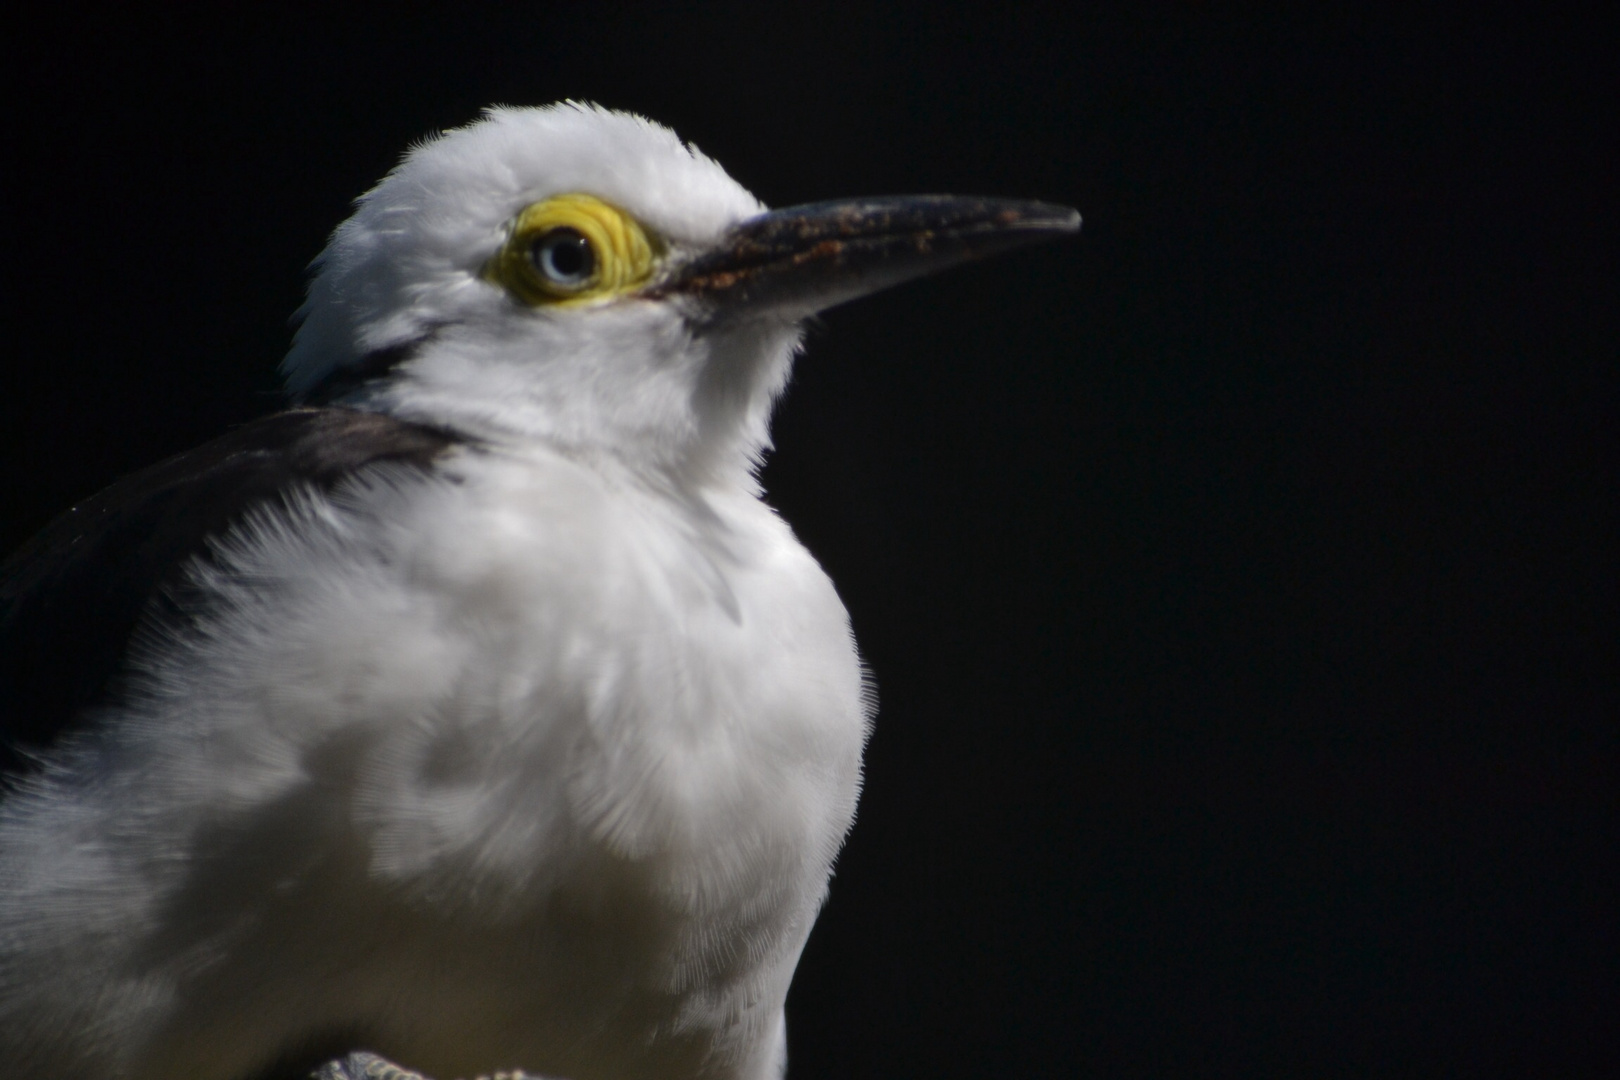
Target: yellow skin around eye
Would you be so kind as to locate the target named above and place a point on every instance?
(625, 254)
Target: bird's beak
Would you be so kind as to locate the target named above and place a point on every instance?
(794, 262)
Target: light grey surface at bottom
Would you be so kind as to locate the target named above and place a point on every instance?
(364, 1066)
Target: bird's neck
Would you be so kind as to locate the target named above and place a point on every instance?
(718, 455)
(696, 419)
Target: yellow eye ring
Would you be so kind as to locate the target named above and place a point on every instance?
(573, 249)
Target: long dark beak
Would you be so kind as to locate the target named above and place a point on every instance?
(793, 262)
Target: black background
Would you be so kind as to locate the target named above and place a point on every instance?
(1239, 578)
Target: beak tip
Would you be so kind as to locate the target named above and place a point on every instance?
(1041, 217)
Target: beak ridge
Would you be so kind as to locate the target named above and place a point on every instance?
(799, 260)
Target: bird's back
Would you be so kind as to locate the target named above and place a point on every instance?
(74, 597)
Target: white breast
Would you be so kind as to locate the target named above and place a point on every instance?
(532, 757)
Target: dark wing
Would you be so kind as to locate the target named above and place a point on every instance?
(72, 598)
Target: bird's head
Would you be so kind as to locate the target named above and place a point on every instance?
(582, 276)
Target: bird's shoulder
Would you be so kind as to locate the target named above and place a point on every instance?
(72, 598)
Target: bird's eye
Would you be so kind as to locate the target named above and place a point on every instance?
(573, 249)
(564, 257)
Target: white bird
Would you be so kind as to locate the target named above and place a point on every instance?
(483, 716)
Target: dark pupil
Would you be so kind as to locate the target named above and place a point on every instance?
(564, 255)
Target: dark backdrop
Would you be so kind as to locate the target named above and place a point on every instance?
(1239, 578)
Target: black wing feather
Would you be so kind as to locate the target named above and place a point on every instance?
(72, 598)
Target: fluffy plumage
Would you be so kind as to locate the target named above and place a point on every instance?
(486, 718)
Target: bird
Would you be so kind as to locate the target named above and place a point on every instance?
(475, 709)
